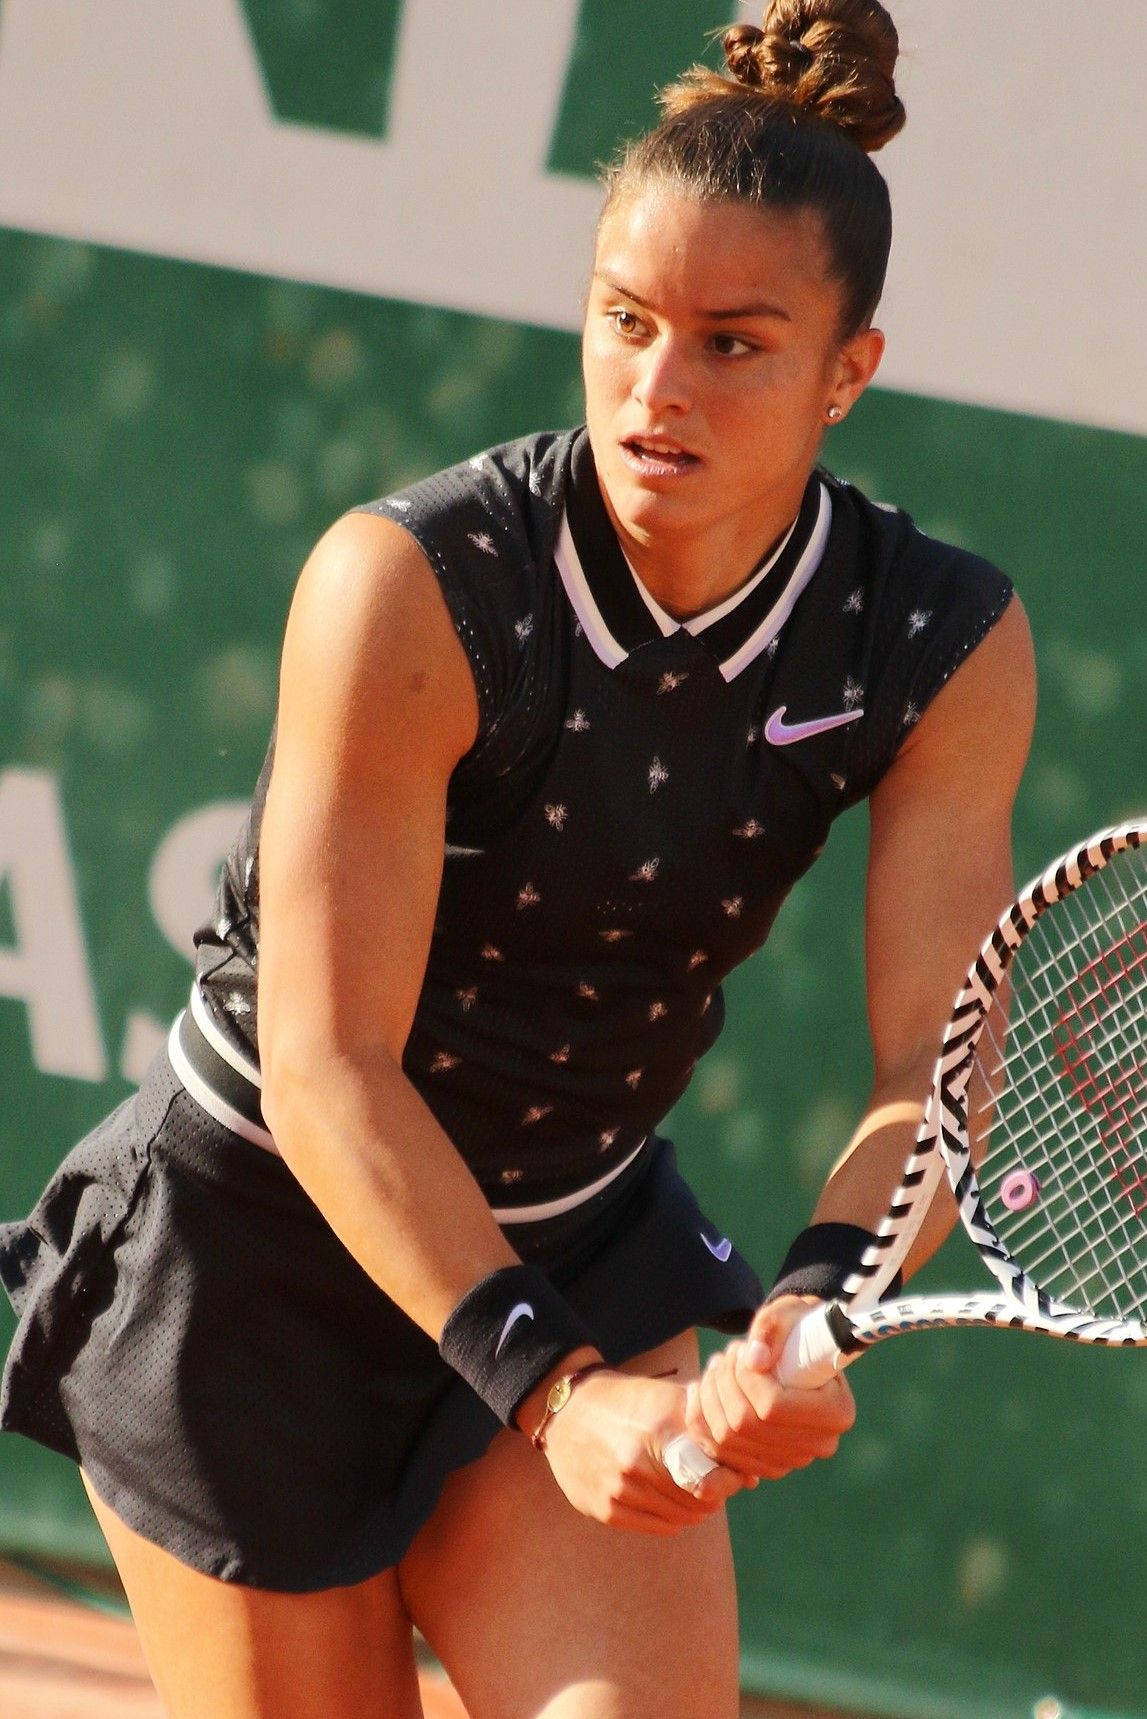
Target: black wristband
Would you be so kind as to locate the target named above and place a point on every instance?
(507, 1333)
(821, 1258)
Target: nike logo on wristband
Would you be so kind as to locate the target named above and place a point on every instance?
(522, 1310)
(778, 732)
(720, 1249)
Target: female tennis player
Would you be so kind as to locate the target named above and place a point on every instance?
(375, 1308)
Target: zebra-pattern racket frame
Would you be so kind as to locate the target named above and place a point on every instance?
(834, 1333)
(943, 1145)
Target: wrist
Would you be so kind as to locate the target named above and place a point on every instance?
(508, 1334)
(532, 1412)
(821, 1259)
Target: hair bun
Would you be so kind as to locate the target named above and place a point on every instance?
(835, 59)
(742, 44)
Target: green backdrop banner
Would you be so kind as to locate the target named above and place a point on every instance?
(176, 437)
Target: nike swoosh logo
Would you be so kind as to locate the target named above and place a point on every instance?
(778, 732)
(720, 1250)
(522, 1310)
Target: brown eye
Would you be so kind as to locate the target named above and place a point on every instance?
(624, 321)
(731, 345)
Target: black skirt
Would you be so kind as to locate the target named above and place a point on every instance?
(239, 1391)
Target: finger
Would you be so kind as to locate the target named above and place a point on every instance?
(675, 1507)
(700, 1499)
(722, 1484)
(696, 1424)
(727, 1424)
(711, 1401)
(825, 1412)
(758, 1427)
(712, 1488)
(686, 1461)
(740, 1414)
(773, 1321)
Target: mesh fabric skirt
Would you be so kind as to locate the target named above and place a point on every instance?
(237, 1388)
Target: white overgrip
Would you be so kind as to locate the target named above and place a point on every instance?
(811, 1356)
(687, 1462)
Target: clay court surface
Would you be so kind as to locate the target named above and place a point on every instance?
(62, 1660)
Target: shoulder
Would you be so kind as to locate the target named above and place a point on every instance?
(487, 530)
(367, 630)
(904, 566)
(925, 608)
(499, 500)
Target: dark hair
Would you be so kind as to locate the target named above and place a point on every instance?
(806, 100)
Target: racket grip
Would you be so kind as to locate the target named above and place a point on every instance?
(687, 1463)
(811, 1356)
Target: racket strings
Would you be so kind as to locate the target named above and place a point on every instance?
(1087, 1186)
(1057, 1099)
(1086, 1231)
(1076, 1241)
(1118, 1102)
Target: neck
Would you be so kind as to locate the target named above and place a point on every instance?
(688, 574)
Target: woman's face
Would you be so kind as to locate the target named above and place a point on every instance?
(711, 354)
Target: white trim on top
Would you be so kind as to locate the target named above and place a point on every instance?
(785, 604)
(220, 1045)
(607, 649)
(569, 566)
(567, 1203)
(697, 623)
(215, 1105)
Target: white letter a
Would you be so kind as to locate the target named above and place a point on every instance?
(47, 969)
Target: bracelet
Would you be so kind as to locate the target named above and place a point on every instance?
(507, 1333)
(821, 1258)
(559, 1395)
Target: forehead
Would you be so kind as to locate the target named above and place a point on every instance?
(676, 250)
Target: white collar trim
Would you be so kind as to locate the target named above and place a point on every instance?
(611, 653)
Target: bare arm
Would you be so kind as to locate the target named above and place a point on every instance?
(377, 704)
(939, 874)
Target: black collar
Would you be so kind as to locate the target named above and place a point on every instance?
(614, 614)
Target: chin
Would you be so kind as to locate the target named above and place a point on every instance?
(643, 507)
(647, 515)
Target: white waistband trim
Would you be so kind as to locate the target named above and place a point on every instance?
(220, 1045)
(209, 1100)
(567, 1203)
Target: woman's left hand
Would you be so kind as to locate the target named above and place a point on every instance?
(743, 1418)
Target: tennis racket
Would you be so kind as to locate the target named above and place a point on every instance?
(1038, 1114)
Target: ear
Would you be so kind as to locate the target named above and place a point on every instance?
(855, 365)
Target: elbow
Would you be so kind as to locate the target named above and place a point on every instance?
(308, 1079)
(293, 1080)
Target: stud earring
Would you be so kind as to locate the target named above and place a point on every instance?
(835, 414)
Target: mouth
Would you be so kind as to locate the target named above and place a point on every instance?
(657, 456)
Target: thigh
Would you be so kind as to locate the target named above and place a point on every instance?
(535, 1610)
(246, 1653)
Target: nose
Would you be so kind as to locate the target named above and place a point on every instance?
(662, 382)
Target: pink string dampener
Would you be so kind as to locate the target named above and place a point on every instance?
(1019, 1190)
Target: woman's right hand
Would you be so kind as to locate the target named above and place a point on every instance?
(605, 1450)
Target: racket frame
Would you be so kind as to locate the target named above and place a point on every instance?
(831, 1336)
(858, 1318)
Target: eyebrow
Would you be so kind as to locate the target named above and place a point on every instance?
(731, 315)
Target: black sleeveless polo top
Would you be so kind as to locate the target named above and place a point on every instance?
(640, 798)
